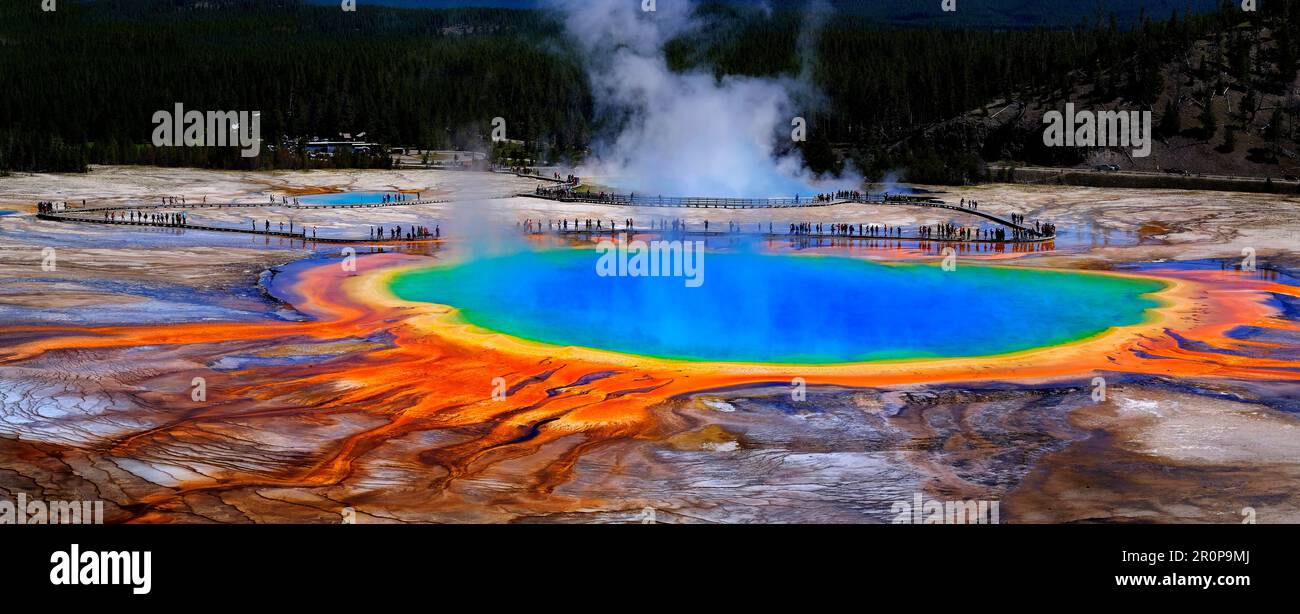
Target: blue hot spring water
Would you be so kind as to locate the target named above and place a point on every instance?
(349, 198)
(782, 308)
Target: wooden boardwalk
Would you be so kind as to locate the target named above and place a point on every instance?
(78, 215)
(677, 202)
(301, 236)
(1029, 234)
(782, 203)
(266, 205)
(781, 235)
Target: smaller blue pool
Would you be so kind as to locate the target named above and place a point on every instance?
(355, 198)
(4, 212)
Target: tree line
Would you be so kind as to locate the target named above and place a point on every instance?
(81, 84)
(879, 90)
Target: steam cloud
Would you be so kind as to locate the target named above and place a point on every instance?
(680, 134)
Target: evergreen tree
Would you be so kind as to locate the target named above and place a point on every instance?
(1209, 123)
(1229, 140)
(1171, 122)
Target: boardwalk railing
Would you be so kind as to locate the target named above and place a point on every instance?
(301, 235)
(534, 175)
(678, 201)
(265, 205)
(796, 236)
(770, 203)
(563, 194)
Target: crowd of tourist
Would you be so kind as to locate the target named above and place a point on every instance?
(528, 171)
(944, 232)
(582, 225)
(851, 195)
(846, 230)
(400, 197)
(152, 218)
(410, 233)
(1018, 229)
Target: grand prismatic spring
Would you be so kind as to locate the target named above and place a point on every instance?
(613, 261)
(775, 309)
(491, 373)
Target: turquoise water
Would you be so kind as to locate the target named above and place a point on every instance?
(349, 198)
(782, 309)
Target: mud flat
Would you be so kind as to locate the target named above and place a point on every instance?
(321, 397)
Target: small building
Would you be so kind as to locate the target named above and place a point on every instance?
(329, 148)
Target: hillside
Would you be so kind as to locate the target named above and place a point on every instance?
(932, 104)
(1225, 105)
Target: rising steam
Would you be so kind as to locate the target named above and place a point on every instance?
(680, 134)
